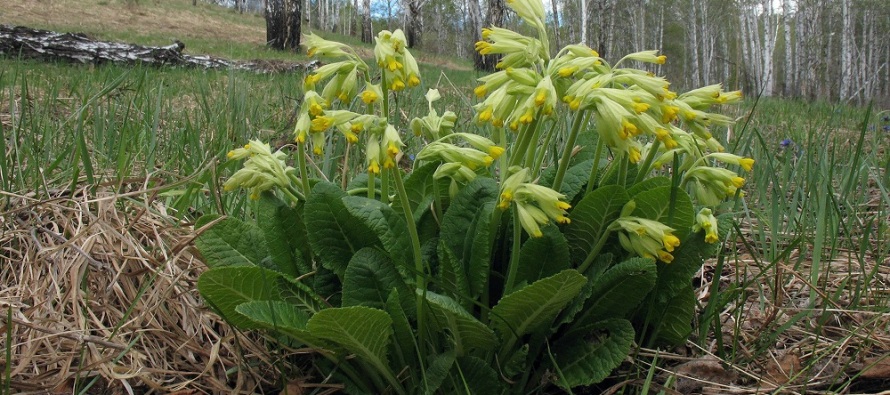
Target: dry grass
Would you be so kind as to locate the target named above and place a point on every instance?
(100, 286)
(139, 17)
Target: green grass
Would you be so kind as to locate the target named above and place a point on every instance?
(816, 212)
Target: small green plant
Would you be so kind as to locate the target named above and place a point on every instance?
(483, 269)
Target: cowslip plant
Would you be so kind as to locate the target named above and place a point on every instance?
(483, 269)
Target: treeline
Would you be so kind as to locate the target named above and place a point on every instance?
(813, 49)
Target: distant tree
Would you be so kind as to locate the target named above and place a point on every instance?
(366, 21)
(283, 24)
(494, 17)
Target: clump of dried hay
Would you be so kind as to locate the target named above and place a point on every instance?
(102, 288)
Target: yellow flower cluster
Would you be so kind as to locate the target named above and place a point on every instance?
(262, 170)
(535, 204)
(647, 238)
(399, 67)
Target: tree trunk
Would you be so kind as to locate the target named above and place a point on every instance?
(293, 20)
(367, 33)
(275, 26)
(846, 68)
(789, 58)
(494, 17)
(584, 16)
(555, 5)
(414, 24)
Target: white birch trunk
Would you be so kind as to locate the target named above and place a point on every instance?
(846, 66)
(584, 16)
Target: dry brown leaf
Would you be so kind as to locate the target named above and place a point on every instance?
(780, 371)
(876, 368)
(692, 376)
(293, 388)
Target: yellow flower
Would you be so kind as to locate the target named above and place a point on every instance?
(320, 124)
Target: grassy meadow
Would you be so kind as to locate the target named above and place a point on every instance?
(105, 169)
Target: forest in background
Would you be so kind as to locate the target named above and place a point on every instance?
(836, 50)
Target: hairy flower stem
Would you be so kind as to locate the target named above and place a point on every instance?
(644, 169)
(384, 187)
(420, 279)
(539, 158)
(595, 171)
(623, 163)
(580, 118)
(301, 160)
(513, 265)
(523, 142)
(372, 188)
(595, 251)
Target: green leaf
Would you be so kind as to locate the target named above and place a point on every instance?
(475, 376)
(573, 181)
(361, 330)
(280, 316)
(454, 279)
(588, 359)
(334, 234)
(533, 308)
(224, 288)
(599, 266)
(370, 278)
(405, 344)
(437, 371)
(465, 331)
(419, 186)
(688, 258)
(231, 242)
(655, 204)
(386, 224)
(647, 184)
(673, 320)
(284, 233)
(544, 256)
(465, 230)
(619, 290)
(590, 218)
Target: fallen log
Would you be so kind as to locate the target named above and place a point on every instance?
(25, 42)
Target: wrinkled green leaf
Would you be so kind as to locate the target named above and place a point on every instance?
(437, 371)
(590, 218)
(688, 258)
(279, 316)
(284, 233)
(334, 234)
(231, 242)
(619, 290)
(465, 230)
(370, 278)
(542, 257)
(224, 288)
(363, 331)
(533, 308)
(454, 279)
(655, 204)
(673, 318)
(474, 376)
(388, 225)
(648, 184)
(591, 355)
(419, 186)
(465, 331)
(573, 181)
